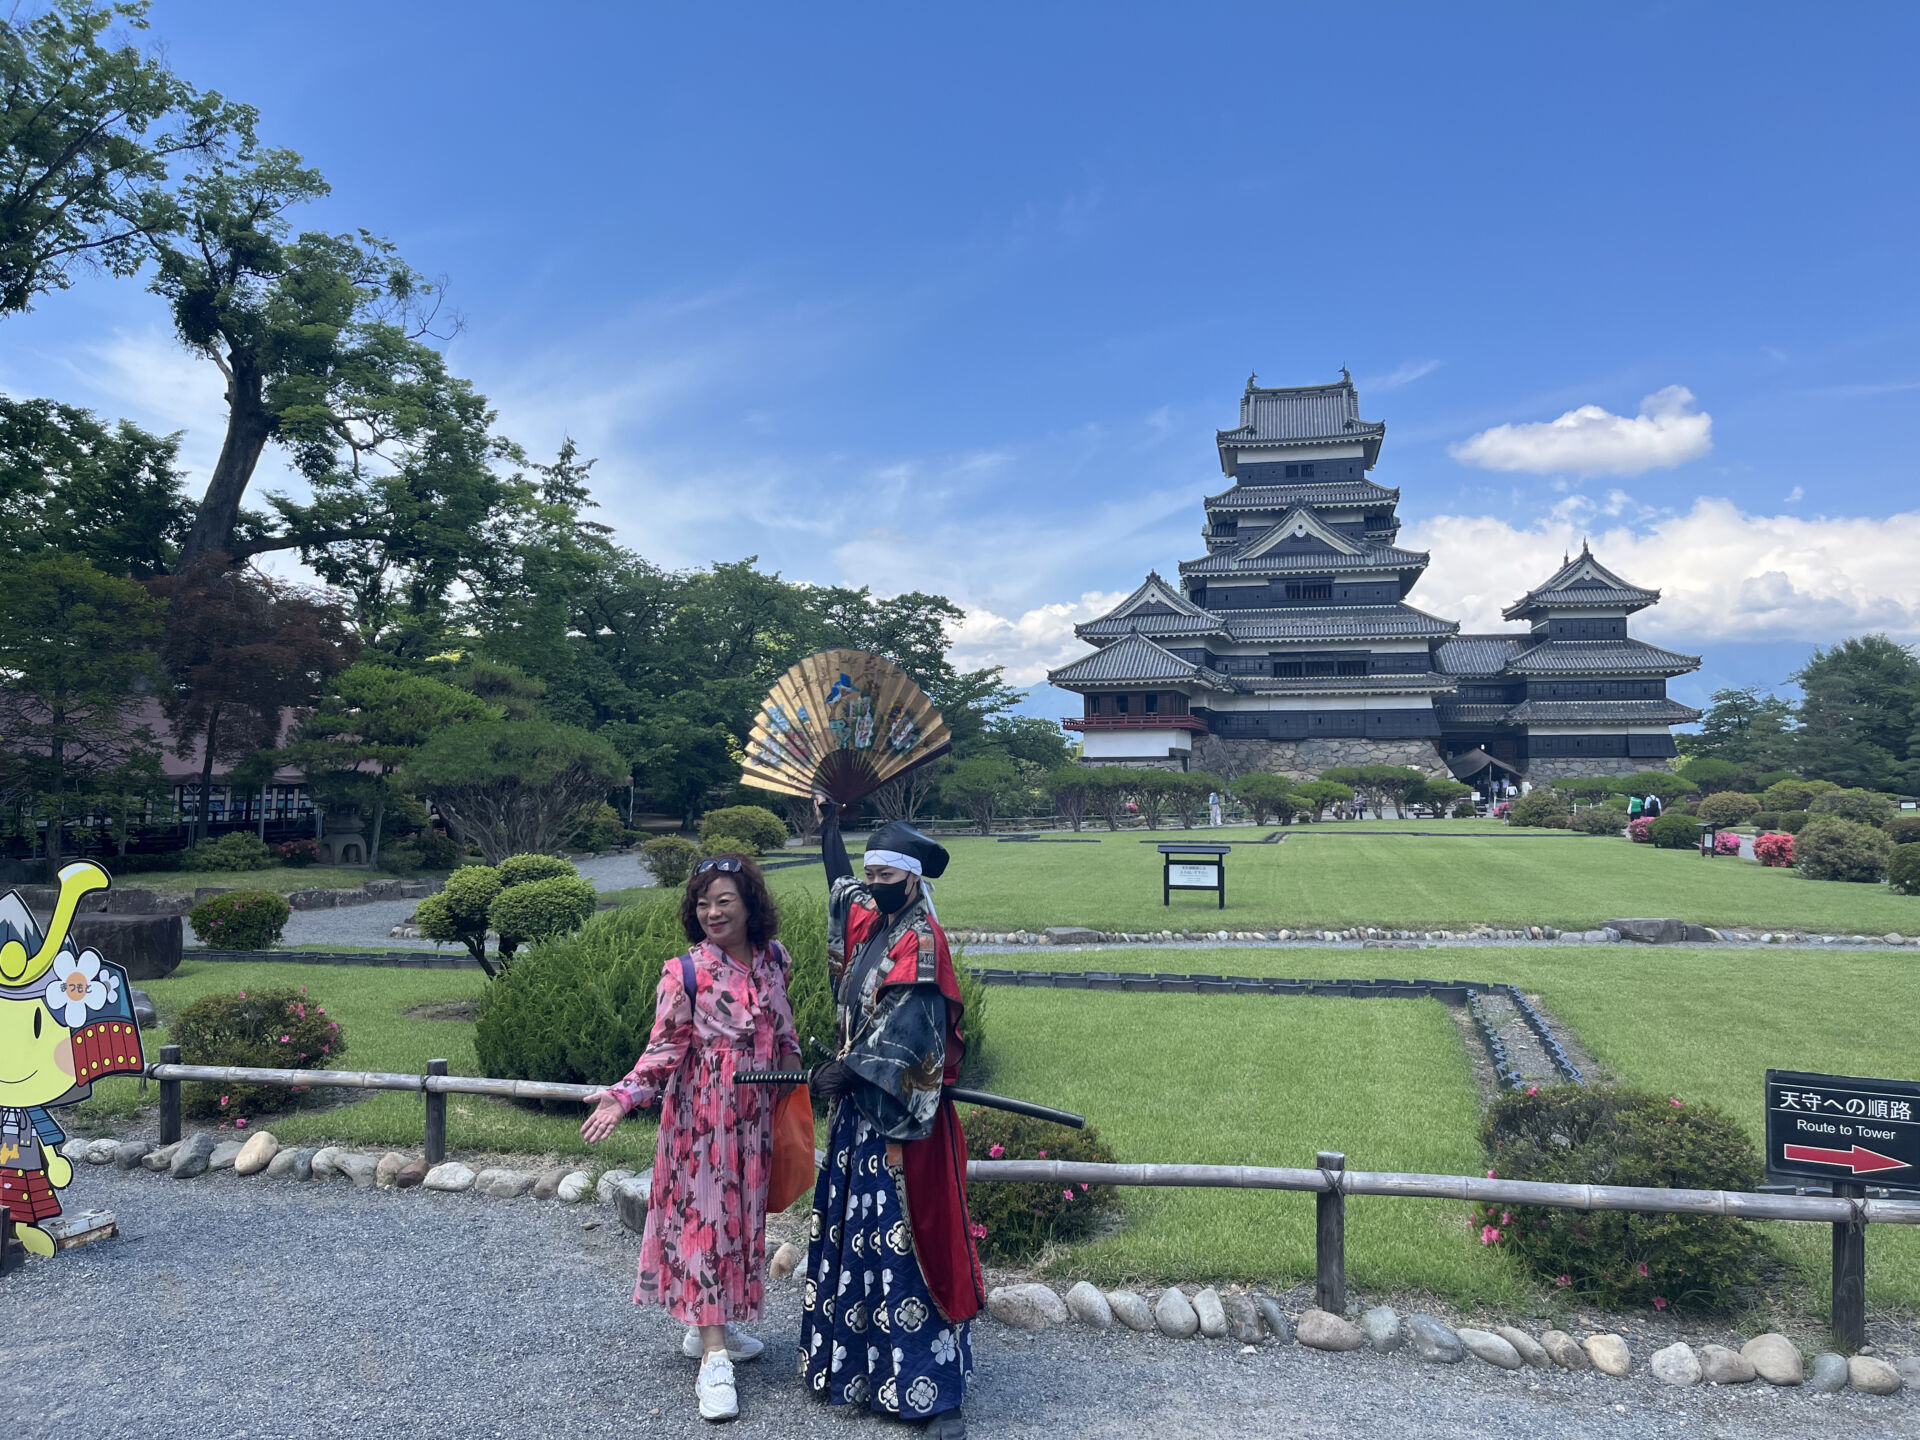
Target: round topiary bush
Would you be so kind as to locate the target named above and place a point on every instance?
(1863, 807)
(670, 858)
(1598, 820)
(1903, 871)
(1674, 832)
(1542, 809)
(260, 1029)
(1638, 831)
(240, 920)
(725, 842)
(761, 828)
(579, 1009)
(1794, 794)
(1610, 1135)
(1830, 848)
(1774, 849)
(540, 910)
(1013, 1223)
(458, 912)
(241, 850)
(523, 869)
(1729, 807)
(1903, 829)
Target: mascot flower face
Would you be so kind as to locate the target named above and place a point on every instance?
(77, 987)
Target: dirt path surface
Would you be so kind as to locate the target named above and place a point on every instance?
(231, 1308)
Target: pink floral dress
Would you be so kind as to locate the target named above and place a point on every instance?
(702, 1255)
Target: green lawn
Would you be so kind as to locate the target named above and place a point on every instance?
(1366, 873)
(1208, 1079)
(368, 1003)
(281, 879)
(1699, 1025)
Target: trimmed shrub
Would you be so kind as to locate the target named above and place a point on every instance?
(1903, 871)
(600, 828)
(725, 842)
(298, 854)
(1542, 809)
(1786, 822)
(1674, 832)
(524, 869)
(1013, 1223)
(1794, 794)
(1464, 810)
(1726, 843)
(1598, 820)
(540, 910)
(670, 858)
(1638, 831)
(1611, 1135)
(1775, 850)
(1830, 848)
(761, 828)
(429, 850)
(459, 911)
(578, 1009)
(1863, 807)
(1903, 829)
(1729, 807)
(241, 850)
(260, 1029)
(240, 920)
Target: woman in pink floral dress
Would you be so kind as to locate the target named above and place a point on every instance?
(702, 1256)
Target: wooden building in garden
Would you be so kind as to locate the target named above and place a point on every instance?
(1290, 645)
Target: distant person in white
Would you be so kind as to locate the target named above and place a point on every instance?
(1213, 807)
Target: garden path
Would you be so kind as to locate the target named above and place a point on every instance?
(239, 1307)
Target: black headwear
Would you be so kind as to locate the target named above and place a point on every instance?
(903, 839)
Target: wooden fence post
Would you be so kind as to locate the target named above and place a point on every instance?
(436, 1117)
(1330, 1239)
(1849, 1275)
(169, 1098)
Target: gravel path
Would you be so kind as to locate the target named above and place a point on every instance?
(233, 1307)
(370, 924)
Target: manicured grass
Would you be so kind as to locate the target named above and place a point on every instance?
(1365, 873)
(1698, 1025)
(1222, 1080)
(368, 1003)
(282, 879)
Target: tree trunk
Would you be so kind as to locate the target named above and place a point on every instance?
(57, 754)
(248, 425)
(373, 842)
(263, 814)
(203, 822)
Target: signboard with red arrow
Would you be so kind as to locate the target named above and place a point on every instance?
(1842, 1128)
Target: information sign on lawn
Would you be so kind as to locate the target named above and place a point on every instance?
(1843, 1127)
(1194, 867)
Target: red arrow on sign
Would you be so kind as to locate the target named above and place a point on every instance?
(1857, 1160)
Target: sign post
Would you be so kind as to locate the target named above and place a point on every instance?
(1194, 867)
(1840, 1129)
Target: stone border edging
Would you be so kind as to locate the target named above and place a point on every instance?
(1249, 1318)
(1651, 932)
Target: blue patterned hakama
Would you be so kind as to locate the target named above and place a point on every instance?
(871, 1334)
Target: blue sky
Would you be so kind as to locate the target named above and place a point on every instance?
(955, 298)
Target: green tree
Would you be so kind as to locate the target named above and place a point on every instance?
(70, 483)
(1319, 794)
(76, 659)
(88, 129)
(1070, 790)
(1028, 739)
(1188, 794)
(981, 786)
(372, 722)
(1709, 774)
(1859, 708)
(1267, 795)
(1110, 789)
(1667, 786)
(1753, 731)
(513, 786)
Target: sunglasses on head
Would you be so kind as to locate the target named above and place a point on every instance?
(726, 865)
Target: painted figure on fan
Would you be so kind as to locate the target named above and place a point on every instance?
(892, 1277)
(66, 1020)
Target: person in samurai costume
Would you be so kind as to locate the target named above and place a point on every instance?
(892, 1276)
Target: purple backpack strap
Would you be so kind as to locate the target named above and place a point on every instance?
(688, 979)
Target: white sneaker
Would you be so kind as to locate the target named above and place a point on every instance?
(740, 1345)
(718, 1399)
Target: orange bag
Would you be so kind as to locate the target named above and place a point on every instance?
(792, 1174)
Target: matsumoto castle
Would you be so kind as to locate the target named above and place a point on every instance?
(1289, 646)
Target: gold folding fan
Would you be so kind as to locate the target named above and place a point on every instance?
(842, 723)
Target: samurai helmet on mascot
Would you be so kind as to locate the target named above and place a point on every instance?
(66, 1020)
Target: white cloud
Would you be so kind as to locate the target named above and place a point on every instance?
(1724, 574)
(1796, 495)
(1668, 431)
(1400, 375)
(1032, 643)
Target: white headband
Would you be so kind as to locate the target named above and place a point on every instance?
(895, 858)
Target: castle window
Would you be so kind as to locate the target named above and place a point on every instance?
(1120, 704)
(1153, 704)
(1350, 667)
(1288, 669)
(1306, 471)
(1310, 590)
(1293, 472)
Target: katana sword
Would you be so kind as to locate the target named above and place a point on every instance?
(952, 1092)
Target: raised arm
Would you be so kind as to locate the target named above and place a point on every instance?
(833, 847)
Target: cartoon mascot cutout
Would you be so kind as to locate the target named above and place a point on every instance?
(66, 1019)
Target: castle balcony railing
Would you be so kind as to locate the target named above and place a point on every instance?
(1135, 722)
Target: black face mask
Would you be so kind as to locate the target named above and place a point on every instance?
(891, 897)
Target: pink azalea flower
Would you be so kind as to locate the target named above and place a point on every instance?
(1492, 1176)
(1506, 1217)
(1676, 1103)
(996, 1151)
(1083, 1185)
(1642, 1268)
(284, 1039)
(1066, 1194)
(1489, 1235)
(223, 1102)
(241, 1123)
(1659, 1302)
(1043, 1154)
(1563, 1280)
(1533, 1089)
(978, 1231)
(243, 994)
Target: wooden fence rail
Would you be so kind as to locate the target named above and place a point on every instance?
(1330, 1181)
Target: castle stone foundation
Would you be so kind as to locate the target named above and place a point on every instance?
(1305, 759)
